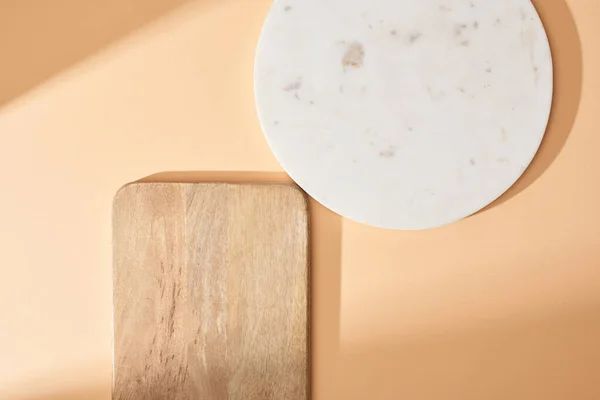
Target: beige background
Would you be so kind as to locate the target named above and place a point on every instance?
(94, 94)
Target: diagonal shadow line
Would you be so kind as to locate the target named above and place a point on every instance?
(40, 38)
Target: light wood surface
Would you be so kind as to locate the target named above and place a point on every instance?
(210, 292)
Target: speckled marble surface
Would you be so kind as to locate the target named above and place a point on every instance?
(404, 114)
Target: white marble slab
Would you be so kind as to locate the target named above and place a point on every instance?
(404, 114)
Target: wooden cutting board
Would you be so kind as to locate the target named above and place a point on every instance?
(210, 292)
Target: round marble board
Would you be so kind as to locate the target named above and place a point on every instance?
(404, 114)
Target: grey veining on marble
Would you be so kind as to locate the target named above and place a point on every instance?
(404, 114)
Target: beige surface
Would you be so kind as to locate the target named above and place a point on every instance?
(505, 304)
(210, 292)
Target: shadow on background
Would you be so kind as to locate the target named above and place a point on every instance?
(325, 272)
(40, 38)
(82, 382)
(76, 394)
(565, 45)
(219, 176)
(549, 357)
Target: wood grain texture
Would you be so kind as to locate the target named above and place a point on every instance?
(210, 292)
